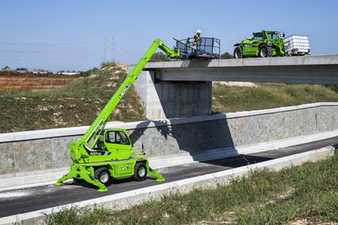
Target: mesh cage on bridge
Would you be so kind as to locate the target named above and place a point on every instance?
(206, 47)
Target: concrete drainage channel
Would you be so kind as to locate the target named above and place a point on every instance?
(274, 160)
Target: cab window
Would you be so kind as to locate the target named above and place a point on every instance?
(117, 137)
(258, 36)
(272, 36)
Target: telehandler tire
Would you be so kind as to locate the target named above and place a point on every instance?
(77, 181)
(103, 175)
(238, 53)
(265, 51)
(140, 171)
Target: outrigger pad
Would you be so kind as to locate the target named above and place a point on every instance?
(82, 172)
(156, 175)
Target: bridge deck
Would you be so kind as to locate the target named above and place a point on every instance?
(304, 69)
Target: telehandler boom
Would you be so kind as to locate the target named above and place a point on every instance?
(101, 155)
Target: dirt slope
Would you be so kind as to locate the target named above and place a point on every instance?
(26, 82)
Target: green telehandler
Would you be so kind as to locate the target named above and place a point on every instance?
(261, 44)
(101, 155)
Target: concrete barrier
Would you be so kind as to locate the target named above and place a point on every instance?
(222, 135)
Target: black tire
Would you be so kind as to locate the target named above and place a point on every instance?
(140, 171)
(77, 181)
(265, 51)
(238, 53)
(103, 175)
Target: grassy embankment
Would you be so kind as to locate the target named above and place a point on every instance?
(232, 99)
(78, 103)
(74, 105)
(301, 195)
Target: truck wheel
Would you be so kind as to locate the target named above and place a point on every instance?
(238, 53)
(265, 51)
(102, 174)
(140, 171)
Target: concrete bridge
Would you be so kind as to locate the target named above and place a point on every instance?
(184, 88)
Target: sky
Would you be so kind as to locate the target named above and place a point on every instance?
(80, 34)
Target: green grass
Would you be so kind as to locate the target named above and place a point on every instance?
(305, 192)
(232, 99)
(74, 105)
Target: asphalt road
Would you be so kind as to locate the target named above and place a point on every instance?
(35, 198)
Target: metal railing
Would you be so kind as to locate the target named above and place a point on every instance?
(205, 47)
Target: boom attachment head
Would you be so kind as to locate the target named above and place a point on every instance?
(199, 47)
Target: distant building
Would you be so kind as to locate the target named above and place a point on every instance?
(68, 73)
(21, 70)
(40, 71)
(6, 68)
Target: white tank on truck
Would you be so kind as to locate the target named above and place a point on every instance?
(297, 45)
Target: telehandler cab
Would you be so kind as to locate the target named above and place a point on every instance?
(101, 155)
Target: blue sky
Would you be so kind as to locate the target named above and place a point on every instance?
(80, 34)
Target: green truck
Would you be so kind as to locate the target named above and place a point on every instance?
(261, 44)
(102, 155)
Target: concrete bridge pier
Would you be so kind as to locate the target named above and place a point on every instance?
(170, 99)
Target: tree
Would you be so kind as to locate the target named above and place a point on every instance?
(159, 56)
(226, 55)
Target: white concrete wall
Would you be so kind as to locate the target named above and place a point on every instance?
(23, 152)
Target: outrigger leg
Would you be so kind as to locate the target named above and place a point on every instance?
(155, 175)
(70, 175)
(82, 172)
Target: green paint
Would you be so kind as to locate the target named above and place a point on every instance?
(261, 44)
(111, 150)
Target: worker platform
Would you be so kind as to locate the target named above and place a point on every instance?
(206, 48)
